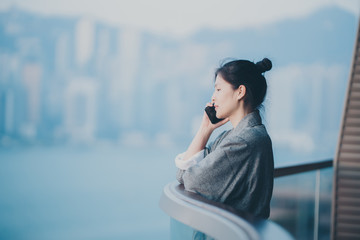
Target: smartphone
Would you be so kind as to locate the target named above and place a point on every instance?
(210, 111)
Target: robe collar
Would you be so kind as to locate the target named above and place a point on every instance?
(250, 120)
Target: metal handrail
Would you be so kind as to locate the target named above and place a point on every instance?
(216, 219)
(300, 168)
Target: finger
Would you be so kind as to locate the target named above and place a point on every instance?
(209, 104)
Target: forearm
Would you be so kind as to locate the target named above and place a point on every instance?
(202, 136)
(198, 143)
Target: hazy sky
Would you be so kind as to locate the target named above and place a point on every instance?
(182, 16)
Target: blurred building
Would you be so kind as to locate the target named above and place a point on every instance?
(32, 78)
(77, 79)
(80, 109)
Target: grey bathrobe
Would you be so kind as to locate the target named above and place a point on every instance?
(237, 168)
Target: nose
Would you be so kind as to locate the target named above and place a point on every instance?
(213, 98)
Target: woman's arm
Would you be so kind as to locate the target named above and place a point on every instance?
(202, 136)
(214, 177)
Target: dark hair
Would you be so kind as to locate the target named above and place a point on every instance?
(249, 74)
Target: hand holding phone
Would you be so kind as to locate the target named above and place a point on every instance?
(210, 111)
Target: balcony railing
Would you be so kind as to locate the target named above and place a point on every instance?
(300, 208)
(301, 201)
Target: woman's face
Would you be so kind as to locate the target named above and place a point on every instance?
(225, 98)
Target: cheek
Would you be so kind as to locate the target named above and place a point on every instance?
(223, 108)
(227, 106)
(221, 97)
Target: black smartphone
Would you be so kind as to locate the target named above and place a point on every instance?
(210, 111)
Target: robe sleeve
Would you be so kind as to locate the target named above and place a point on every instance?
(184, 165)
(196, 158)
(214, 177)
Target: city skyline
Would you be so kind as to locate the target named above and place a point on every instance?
(79, 80)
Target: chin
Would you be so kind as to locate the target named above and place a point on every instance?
(219, 115)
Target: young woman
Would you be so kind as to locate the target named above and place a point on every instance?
(237, 168)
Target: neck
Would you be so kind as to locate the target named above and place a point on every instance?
(237, 116)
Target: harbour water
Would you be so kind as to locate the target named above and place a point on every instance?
(102, 192)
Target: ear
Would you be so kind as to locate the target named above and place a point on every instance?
(241, 91)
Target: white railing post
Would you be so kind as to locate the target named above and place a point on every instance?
(317, 204)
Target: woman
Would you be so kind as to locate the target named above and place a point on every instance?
(237, 168)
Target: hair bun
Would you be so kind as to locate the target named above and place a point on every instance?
(264, 65)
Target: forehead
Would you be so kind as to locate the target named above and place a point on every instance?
(220, 80)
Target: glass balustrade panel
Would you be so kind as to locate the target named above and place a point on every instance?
(293, 205)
